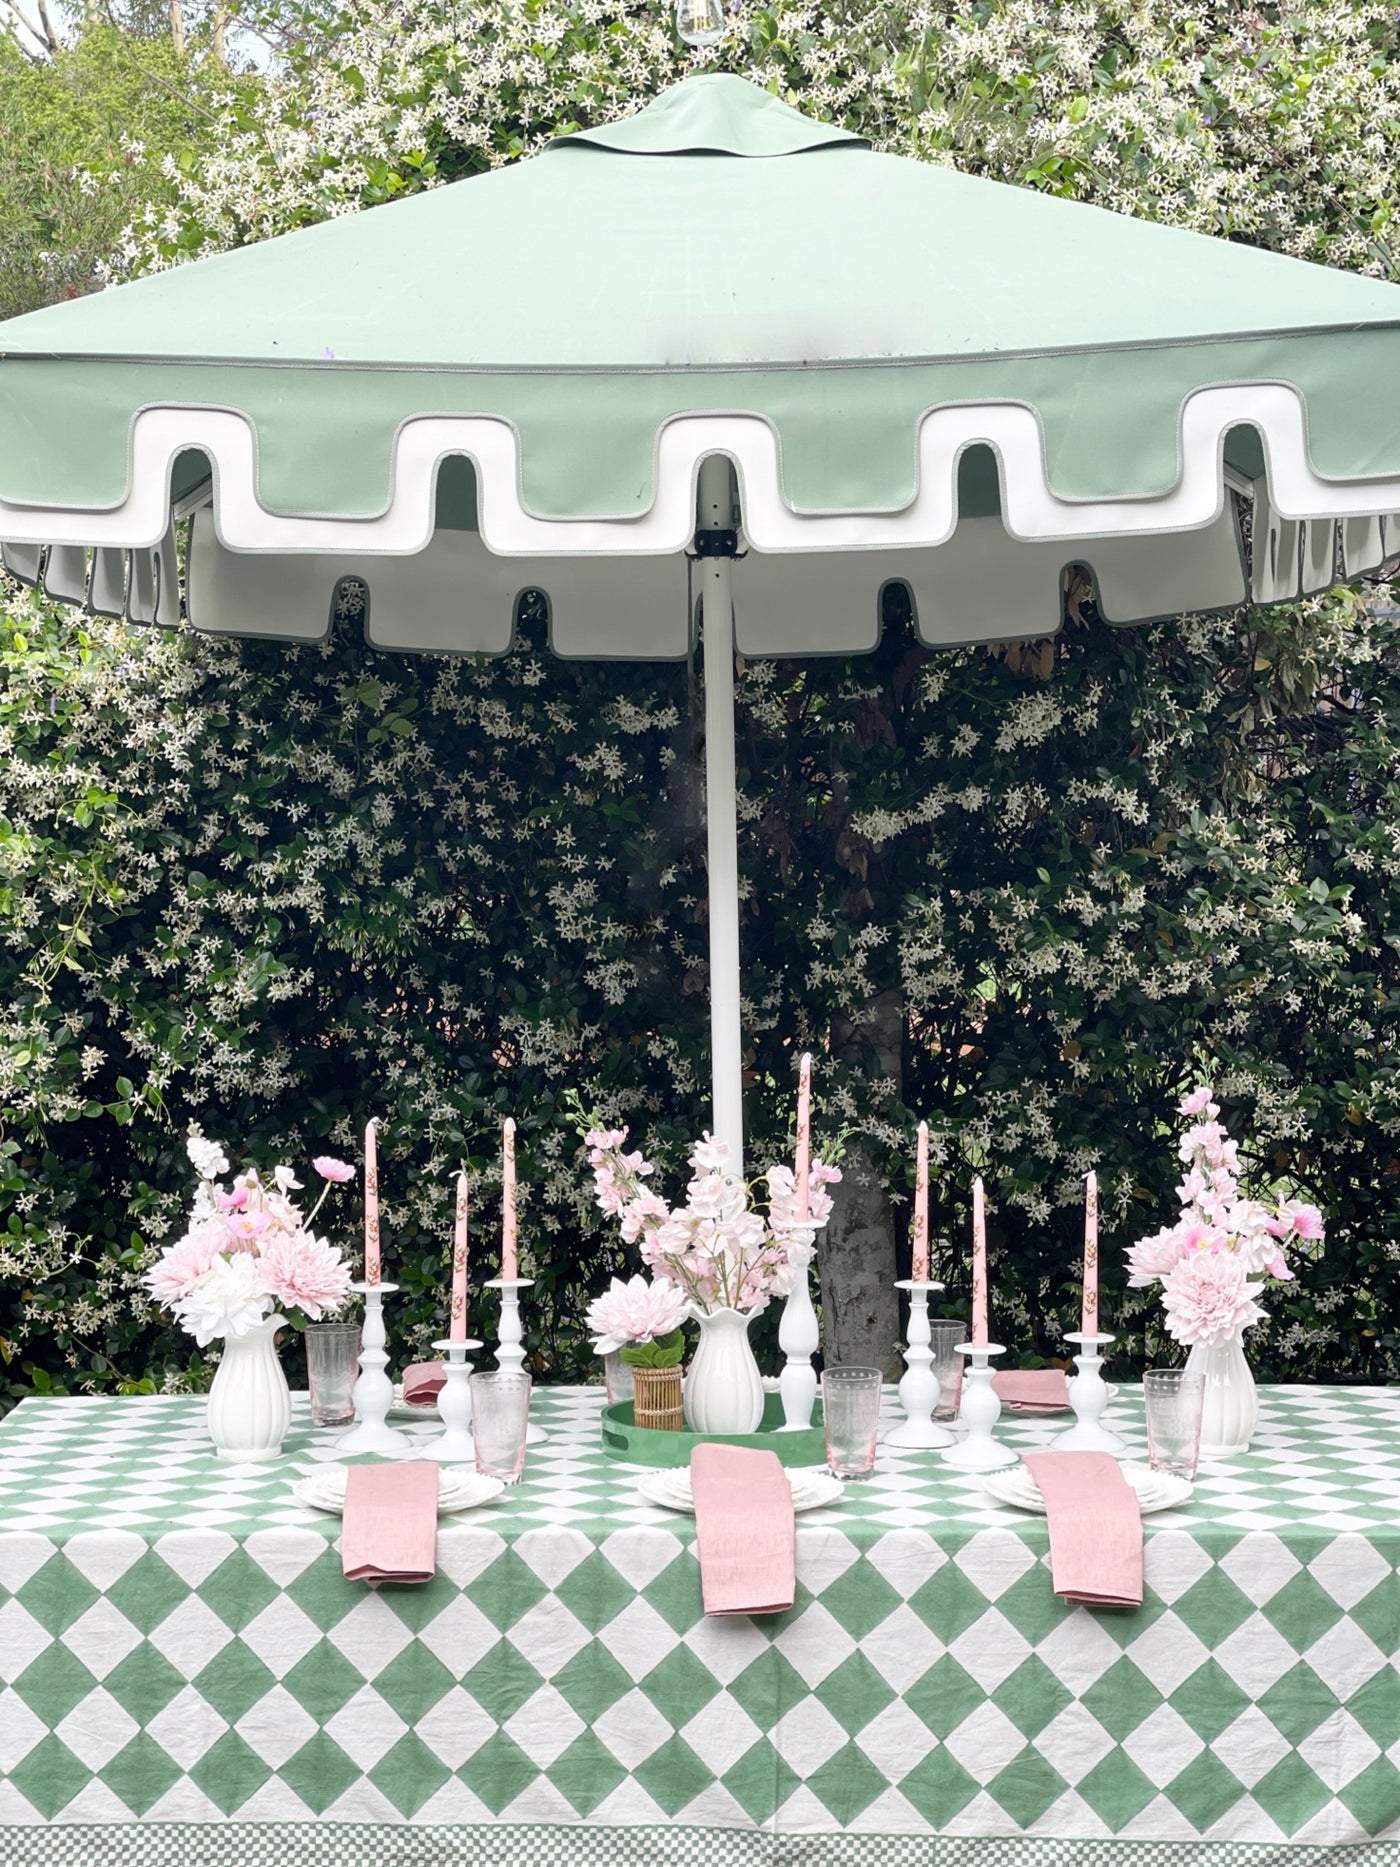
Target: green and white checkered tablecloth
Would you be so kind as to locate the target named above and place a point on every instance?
(186, 1680)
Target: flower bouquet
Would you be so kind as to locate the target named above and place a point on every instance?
(715, 1261)
(1211, 1264)
(247, 1264)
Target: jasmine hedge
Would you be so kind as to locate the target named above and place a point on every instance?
(1029, 894)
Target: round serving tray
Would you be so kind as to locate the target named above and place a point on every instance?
(644, 1445)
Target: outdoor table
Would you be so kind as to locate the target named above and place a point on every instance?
(188, 1680)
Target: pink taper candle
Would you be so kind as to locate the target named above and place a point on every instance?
(979, 1264)
(803, 1168)
(371, 1207)
(457, 1328)
(510, 1268)
(919, 1268)
(1089, 1313)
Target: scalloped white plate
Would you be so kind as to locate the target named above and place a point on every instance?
(671, 1489)
(1155, 1490)
(457, 1490)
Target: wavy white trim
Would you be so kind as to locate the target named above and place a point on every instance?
(1032, 511)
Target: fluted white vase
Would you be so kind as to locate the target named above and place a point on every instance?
(1230, 1411)
(723, 1390)
(250, 1405)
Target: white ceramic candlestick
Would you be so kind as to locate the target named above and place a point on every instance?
(373, 1393)
(1088, 1396)
(919, 1387)
(979, 1412)
(454, 1445)
(510, 1350)
(799, 1338)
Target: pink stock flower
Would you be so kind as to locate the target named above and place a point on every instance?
(1199, 1103)
(1207, 1297)
(634, 1312)
(822, 1175)
(331, 1169)
(305, 1273)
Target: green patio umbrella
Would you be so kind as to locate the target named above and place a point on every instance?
(716, 329)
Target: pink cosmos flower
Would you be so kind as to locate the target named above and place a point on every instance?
(1208, 1297)
(232, 1202)
(305, 1273)
(1306, 1220)
(331, 1169)
(241, 1230)
(634, 1312)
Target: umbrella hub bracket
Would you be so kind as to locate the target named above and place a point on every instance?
(717, 544)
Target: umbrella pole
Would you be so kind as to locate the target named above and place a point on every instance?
(715, 547)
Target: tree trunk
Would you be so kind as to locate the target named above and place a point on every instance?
(218, 42)
(860, 1310)
(177, 28)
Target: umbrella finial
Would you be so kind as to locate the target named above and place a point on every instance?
(700, 22)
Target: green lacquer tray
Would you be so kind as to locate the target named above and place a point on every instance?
(644, 1445)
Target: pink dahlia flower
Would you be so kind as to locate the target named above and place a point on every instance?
(305, 1273)
(1208, 1298)
(175, 1274)
(1151, 1258)
(633, 1312)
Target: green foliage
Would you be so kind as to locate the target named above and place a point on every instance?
(665, 1352)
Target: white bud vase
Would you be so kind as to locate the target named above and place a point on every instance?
(1231, 1408)
(250, 1405)
(723, 1390)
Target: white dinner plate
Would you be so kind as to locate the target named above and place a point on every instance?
(1155, 1490)
(671, 1489)
(457, 1490)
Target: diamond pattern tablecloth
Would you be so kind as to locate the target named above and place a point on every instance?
(180, 1656)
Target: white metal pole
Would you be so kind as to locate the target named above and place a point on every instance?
(721, 816)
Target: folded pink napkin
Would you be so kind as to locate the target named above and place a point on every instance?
(743, 1530)
(389, 1533)
(422, 1382)
(1095, 1527)
(1026, 1390)
(1032, 1389)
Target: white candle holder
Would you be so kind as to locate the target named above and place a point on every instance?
(510, 1351)
(979, 1412)
(454, 1445)
(373, 1392)
(798, 1334)
(1089, 1397)
(919, 1387)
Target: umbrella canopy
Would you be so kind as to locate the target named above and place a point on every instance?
(864, 369)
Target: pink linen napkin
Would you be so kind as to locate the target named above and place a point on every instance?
(1032, 1390)
(422, 1383)
(389, 1533)
(1026, 1390)
(1095, 1527)
(743, 1530)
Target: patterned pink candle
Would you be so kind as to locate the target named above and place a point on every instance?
(919, 1269)
(1089, 1313)
(510, 1267)
(371, 1206)
(979, 1264)
(803, 1168)
(457, 1328)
